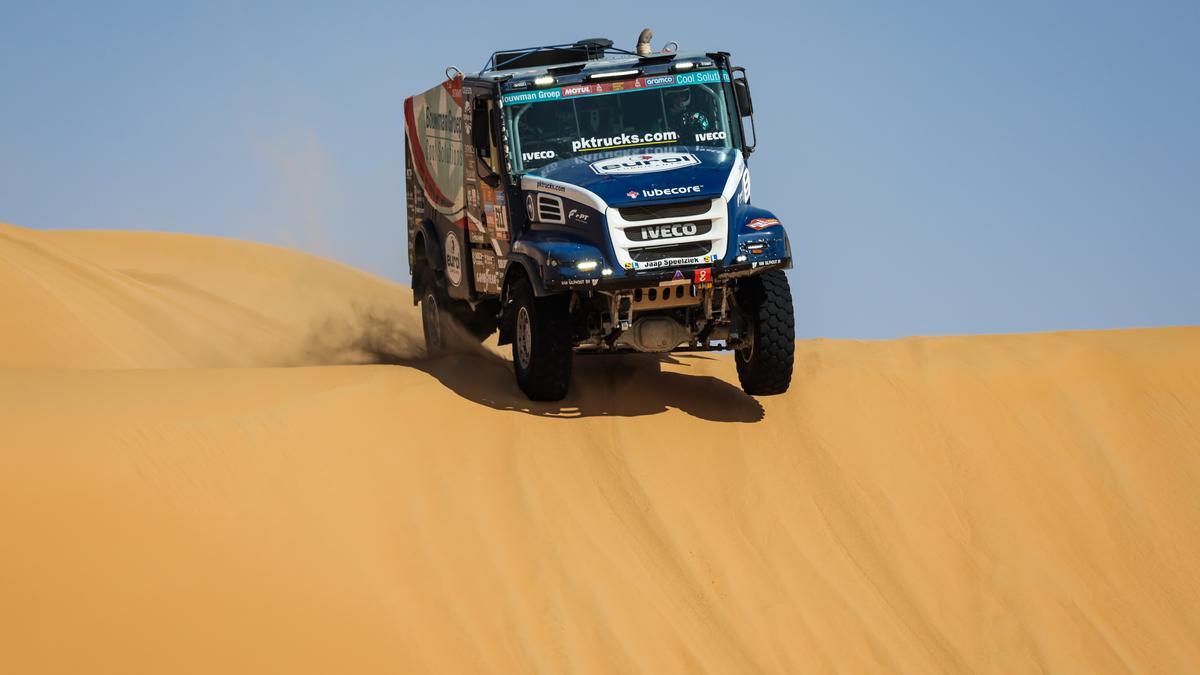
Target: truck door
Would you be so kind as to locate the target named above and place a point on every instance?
(488, 216)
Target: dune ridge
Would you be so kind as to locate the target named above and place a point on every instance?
(102, 299)
(173, 501)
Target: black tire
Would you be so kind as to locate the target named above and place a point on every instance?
(433, 315)
(764, 367)
(541, 346)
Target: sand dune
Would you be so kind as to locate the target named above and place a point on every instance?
(961, 504)
(143, 300)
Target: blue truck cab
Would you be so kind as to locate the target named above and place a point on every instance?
(581, 198)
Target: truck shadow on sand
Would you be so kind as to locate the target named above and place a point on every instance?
(625, 385)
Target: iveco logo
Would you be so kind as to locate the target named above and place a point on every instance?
(667, 231)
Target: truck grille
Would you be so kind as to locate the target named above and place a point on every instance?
(673, 210)
(653, 253)
(651, 236)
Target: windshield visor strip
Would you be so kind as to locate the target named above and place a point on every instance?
(602, 88)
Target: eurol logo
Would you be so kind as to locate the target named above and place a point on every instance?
(662, 161)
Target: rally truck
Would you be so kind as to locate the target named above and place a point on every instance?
(585, 199)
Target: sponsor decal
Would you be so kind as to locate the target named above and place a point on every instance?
(670, 262)
(453, 259)
(762, 223)
(702, 77)
(486, 274)
(702, 276)
(632, 194)
(532, 96)
(578, 216)
(580, 89)
(744, 194)
(501, 222)
(550, 187)
(592, 89)
(764, 263)
(628, 266)
(678, 276)
(664, 192)
(623, 141)
(434, 126)
(538, 154)
(711, 136)
(449, 122)
(634, 164)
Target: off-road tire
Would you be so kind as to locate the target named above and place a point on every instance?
(765, 366)
(541, 346)
(433, 313)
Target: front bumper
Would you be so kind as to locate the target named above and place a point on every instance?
(556, 261)
(565, 278)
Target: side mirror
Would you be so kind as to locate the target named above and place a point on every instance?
(745, 106)
(479, 131)
(741, 92)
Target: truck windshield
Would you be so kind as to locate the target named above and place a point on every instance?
(546, 125)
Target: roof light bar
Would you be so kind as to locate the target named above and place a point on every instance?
(543, 80)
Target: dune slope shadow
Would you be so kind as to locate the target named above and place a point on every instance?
(626, 385)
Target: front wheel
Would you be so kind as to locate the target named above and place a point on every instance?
(764, 364)
(542, 348)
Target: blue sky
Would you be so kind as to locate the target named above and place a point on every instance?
(941, 167)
